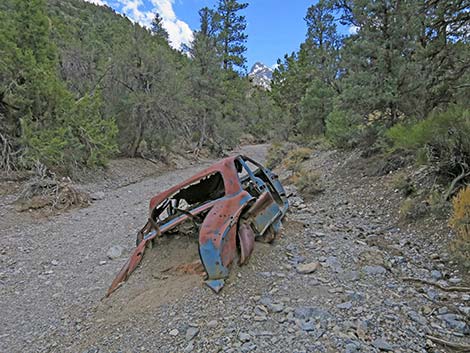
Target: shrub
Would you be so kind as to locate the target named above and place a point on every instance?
(403, 184)
(81, 137)
(295, 157)
(460, 222)
(443, 138)
(277, 152)
(343, 129)
(413, 209)
(308, 183)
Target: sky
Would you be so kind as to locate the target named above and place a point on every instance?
(274, 27)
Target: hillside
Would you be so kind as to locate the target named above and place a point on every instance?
(366, 123)
(106, 73)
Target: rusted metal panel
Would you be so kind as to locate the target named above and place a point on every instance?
(231, 207)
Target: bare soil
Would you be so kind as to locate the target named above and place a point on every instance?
(54, 274)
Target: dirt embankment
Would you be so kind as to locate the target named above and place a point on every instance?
(54, 274)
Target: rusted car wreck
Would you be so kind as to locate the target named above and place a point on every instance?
(231, 204)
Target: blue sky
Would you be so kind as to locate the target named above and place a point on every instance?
(274, 27)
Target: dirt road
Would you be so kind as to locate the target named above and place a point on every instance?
(54, 274)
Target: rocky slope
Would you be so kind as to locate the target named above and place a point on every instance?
(335, 281)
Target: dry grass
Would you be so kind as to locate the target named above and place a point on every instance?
(307, 182)
(277, 152)
(295, 157)
(46, 192)
(460, 222)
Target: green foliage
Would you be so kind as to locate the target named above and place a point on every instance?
(41, 116)
(231, 34)
(78, 83)
(315, 106)
(400, 63)
(82, 138)
(343, 129)
(157, 28)
(443, 136)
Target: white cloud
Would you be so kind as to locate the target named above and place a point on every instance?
(97, 2)
(353, 29)
(165, 9)
(178, 31)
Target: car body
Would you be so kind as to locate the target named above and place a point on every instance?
(230, 204)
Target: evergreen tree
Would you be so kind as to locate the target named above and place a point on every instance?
(320, 54)
(231, 33)
(42, 121)
(206, 79)
(158, 29)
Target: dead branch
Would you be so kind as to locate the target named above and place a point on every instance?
(444, 288)
(8, 155)
(459, 177)
(458, 347)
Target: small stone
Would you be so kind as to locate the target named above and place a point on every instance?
(266, 301)
(260, 310)
(54, 262)
(260, 318)
(248, 347)
(308, 268)
(174, 332)
(426, 309)
(442, 310)
(189, 348)
(417, 317)
(465, 310)
(346, 305)
(436, 275)
(382, 345)
(212, 324)
(191, 333)
(244, 337)
(454, 322)
(102, 263)
(374, 270)
(333, 263)
(432, 294)
(353, 348)
(307, 325)
(99, 195)
(455, 280)
(276, 308)
(114, 252)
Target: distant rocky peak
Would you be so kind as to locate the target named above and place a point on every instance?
(261, 75)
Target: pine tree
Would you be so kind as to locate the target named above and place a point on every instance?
(321, 48)
(158, 29)
(231, 33)
(205, 78)
(320, 56)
